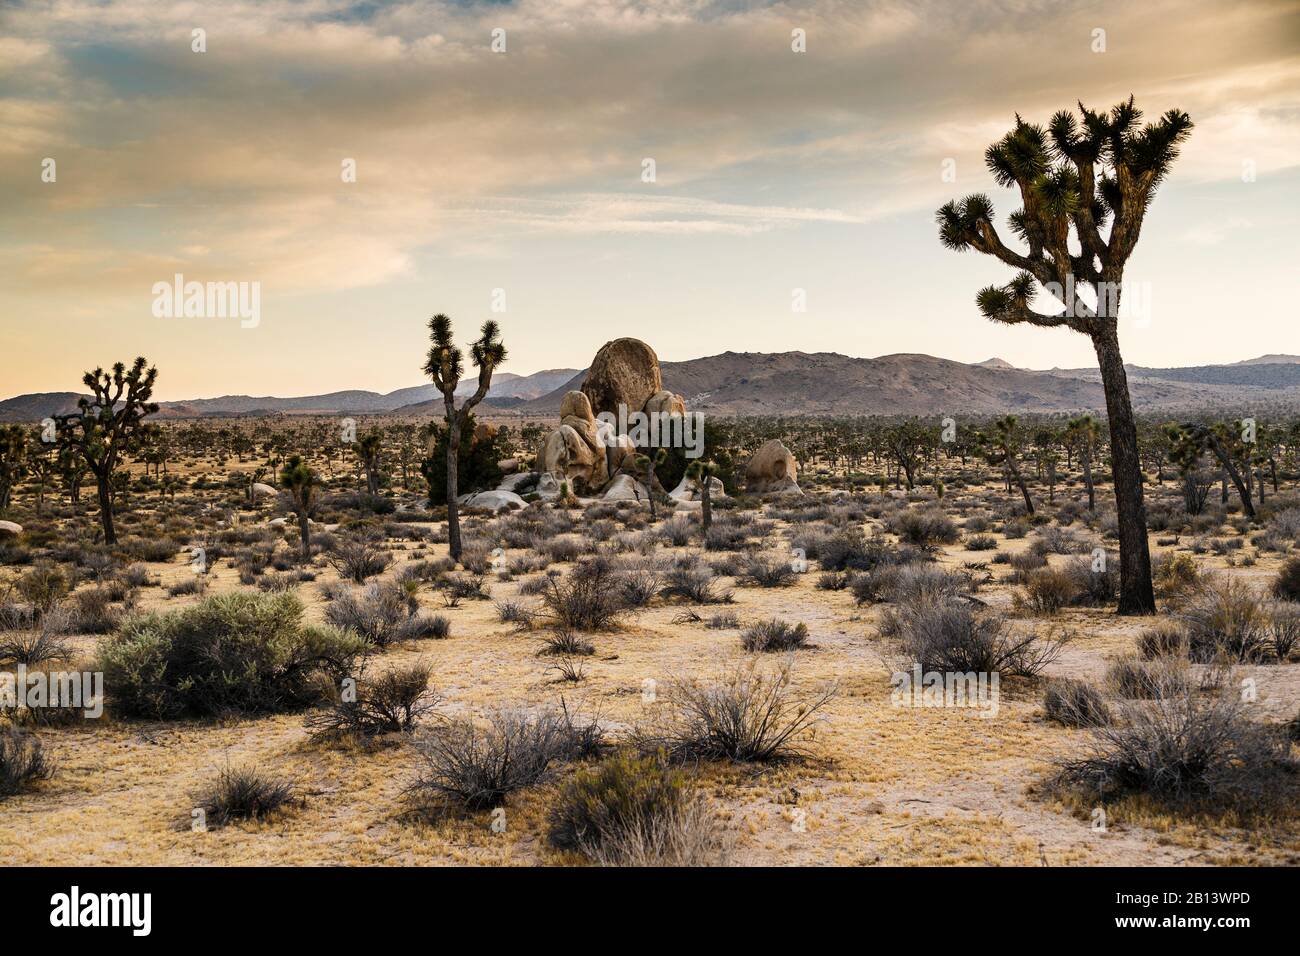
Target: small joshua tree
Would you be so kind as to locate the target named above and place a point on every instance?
(701, 471)
(1077, 178)
(367, 448)
(109, 424)
(301, 482)
(445, 365)
(648, 463)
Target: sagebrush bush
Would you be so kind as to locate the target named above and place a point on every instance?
(924, 527)
(630, 811)
(587, 599)
(1189, 750)
(389, 703)
(774, 635)
(750, 716)
(22, 761)
(1159, 678)
(767, 572)
(243, 793)
(1075, 703)
(1047, 590)
(241, 652)
(357, 559)
(477, 766)
(951, 635)
(1225, 621)
(1287, 584)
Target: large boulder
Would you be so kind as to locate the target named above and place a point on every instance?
(10, 527)
(624, 372)
(492, 500)
(688, 489)
(772, 470)
(626, 488)
(262, 490)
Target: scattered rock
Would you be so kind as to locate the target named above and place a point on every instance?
(492, 500)
(624, 372)
(10, 527)
(626, 488)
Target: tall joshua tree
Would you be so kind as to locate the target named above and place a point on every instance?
(444, 366)
(297, 478)
(367, 448)
(13, 460)
(1001, 446)
(108, 424)
(1092, 179)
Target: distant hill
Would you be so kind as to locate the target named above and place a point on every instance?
(794, 383)
(1271, 360)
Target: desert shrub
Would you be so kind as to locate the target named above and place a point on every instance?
(727, 535)
(677, 532)
(924, 527)
(833, 580)
(976, 524)
(1163, 639)
(564, 548)
(640, 584)
(630, 811)
(477, 766)
(1176, 574)
(1026, 563)
(137, 576)
(243, 793)
(1187, 750)
(1047, 590)
(1053, 539)
(1015, 529)
(233, 653)
(30, 648)
(774, 635)
(93, 611)
(373, 612)
(476, 557)
(723, 621)
(768, 572)
(22, 761)
(587, 599)
(535, 585)
(750, 716)
(1162, 677)
(850, 550)
(195, 584)
(1225, 621)
(694, 582)
(1287, 584)
(953, 636)
(908, 583)
(565, 643)
(43, 586)
(1092, 587)
(515, 612)
(981, 542)
(1075, 703)
(1283, 630)
(357, 559)
(458, 587)
(389, 703)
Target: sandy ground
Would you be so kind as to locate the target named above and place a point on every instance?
(884, 785)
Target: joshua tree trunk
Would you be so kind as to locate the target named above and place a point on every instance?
(1135, 592)
(1085, 454)
(1020, 482)
(453, 458)
(706, 505)
(304, 533)
(104, 489)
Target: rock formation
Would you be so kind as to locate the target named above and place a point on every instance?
(772, 470)
(587, 453)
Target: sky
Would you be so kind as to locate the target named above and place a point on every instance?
(511, 183)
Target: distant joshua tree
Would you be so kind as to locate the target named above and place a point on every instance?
(109, 424)
(1078, 178)
(1001, 446)
(701, 472)
(367, 448)
(300, 481)
(13, 460)
(444, 366)
(1081, 433)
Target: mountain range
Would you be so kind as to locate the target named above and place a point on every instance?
(790, 383)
